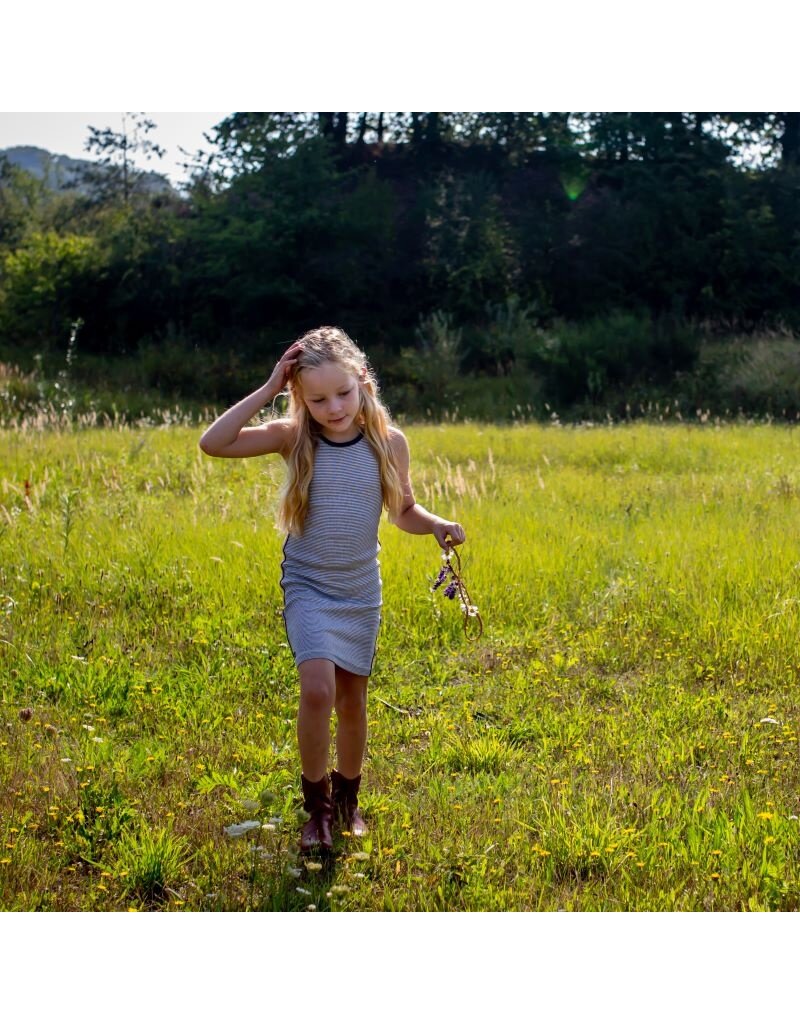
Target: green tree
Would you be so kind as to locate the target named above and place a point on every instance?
(45, 285)
(116, 152)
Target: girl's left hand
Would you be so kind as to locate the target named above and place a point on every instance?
(449, 534)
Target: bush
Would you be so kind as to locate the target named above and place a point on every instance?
(758, 375)
(426, 376)
(19, 392)
(47, 284)
(590, 360)
(508, 340)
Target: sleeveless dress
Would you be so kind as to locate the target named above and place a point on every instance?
(330, 575)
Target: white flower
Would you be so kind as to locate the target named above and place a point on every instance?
(240, 828)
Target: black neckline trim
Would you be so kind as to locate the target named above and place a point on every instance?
(340, 444)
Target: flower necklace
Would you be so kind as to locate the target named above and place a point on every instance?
(457, 586)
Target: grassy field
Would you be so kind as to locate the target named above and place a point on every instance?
(622, 737)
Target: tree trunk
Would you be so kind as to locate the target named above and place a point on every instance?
(362, 128)
(790, 140)
(340, 130)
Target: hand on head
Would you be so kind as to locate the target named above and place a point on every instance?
(286, 366)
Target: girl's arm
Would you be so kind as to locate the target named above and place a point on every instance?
(229, 438)
(413, 518)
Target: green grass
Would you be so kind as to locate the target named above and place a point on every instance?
(622, 737)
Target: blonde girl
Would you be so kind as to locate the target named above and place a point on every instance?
(345, 462)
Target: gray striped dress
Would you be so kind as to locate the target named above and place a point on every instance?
(330, 575)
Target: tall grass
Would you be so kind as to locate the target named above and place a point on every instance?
(623, 736)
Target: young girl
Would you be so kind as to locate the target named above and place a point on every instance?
(345, 463)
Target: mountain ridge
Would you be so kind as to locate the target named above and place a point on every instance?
(59, 171)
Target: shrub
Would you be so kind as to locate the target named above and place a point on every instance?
(47, 284)
(586, 361)
(759, 374)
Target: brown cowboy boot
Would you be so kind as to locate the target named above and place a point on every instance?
(344, 794)
(317, 802)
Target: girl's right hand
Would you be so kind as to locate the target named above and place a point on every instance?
(284, 368)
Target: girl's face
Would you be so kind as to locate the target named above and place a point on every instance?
(331, 395)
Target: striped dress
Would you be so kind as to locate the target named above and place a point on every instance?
(331, 575)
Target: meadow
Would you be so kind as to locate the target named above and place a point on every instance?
(623, 735)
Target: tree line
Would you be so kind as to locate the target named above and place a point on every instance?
(488, 228)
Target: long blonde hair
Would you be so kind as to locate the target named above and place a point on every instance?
(332, 345)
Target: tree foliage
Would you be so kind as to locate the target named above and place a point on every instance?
(502, 223)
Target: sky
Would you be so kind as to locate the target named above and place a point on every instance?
(66, 133)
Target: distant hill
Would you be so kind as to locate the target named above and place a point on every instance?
(66, 172)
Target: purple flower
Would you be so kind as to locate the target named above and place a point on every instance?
(442, 576)
(450, 590)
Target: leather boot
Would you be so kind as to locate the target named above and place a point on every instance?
(317, 802)
(344, 793)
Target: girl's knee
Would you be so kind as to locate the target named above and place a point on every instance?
(317, 687)
(351, 698)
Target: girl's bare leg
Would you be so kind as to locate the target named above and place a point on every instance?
(351, 721)
(317, 697)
